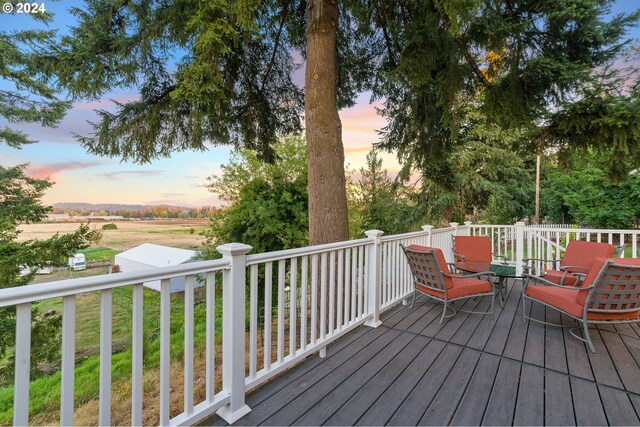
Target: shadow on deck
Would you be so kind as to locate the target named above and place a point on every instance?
(471, 370)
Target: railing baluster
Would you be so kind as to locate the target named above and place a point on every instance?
(293, 306)
(634, 245)
(136, 354)
(268, 281)
(210, 319)
(106, 299)
(347, 286)
(332, 291)
(68, 360)
(340, 288)
(165, 350)
(323, 294)
(253, 325)
(22, 365)
(314, 298)
(303, 302)
(360, 281)
(354, 285)
(188, 343)
(280, 345)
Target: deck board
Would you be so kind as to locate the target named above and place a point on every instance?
(470, 370)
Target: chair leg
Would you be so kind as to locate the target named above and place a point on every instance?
(493, 298)
(524, 310)
(587, 336)
(413, 300)
(444, 311)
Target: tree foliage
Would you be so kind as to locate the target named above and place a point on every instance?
(381, 203)
(586, 195)
(20, 203)
(489, 178)
(534, 65)
(268, 201)
(27, 95)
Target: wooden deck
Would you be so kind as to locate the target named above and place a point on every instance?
(471, 370)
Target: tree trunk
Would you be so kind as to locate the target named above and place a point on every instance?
(328, 221)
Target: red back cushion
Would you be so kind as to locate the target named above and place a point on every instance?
(441, 261)
(582, 254)
(597, 265)
(474, 248)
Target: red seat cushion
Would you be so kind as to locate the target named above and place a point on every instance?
(461, 287)
(555, 276)
(474, 248)
(565, 300)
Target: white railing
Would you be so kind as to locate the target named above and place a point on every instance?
(67, 290)
(300, 300)
(280, 306)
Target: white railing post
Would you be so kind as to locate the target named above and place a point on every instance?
(427, 229)
(519, 226)
(455, 227)
(467, 228)
(373, 277)
(233, 330)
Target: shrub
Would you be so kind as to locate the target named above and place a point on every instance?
(110, 226)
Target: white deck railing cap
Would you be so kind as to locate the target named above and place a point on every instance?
(234, 249)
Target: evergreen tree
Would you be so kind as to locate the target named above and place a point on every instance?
(220, 72)
(28, 97)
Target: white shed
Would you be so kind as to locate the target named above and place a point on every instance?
(148, 256)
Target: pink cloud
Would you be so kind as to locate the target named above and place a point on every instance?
(50, 170)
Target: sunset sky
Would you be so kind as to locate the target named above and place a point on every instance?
(82, 177)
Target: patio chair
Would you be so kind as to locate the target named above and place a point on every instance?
(609, 294)
(474, 249)
(431, 277)
(578, 258)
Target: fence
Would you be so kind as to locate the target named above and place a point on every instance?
(282, 305)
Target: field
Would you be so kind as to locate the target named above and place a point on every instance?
(167, 232)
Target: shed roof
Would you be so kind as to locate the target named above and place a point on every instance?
(157, 255)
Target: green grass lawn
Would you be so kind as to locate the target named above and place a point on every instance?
(45, 391)
(99, 253)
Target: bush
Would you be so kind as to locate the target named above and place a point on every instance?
(110, 226)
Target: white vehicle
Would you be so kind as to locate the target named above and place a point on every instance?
(78, 262)
(24, 270)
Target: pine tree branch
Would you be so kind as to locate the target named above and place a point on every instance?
(472, 63)
(387, 37)
(285, 10)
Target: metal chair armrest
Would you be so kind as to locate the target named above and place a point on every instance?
(466, 276)
(504, 257)
(548, 283)
(573, 267)
(553, 261)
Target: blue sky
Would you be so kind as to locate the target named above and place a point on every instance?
(82, 177)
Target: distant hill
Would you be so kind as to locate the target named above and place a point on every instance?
(109, 207)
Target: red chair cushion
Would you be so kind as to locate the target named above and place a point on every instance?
(474, 248)
(461, 288)
(441, 260)
(555, 276)
(565, 300)
(582, 254)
